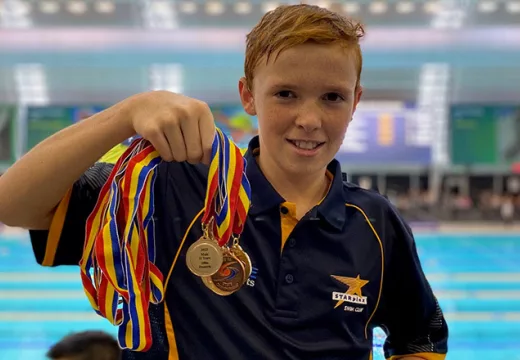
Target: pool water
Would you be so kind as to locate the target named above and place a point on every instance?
(475, 277)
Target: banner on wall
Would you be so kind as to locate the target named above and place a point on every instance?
(386, 133)
(44, 121)
(7, 139)
(485, 135)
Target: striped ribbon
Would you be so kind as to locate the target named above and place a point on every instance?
(228, 194)
(118, 268)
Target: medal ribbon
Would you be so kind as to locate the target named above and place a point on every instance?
(240, 193)
(118, 268)
(228, 194)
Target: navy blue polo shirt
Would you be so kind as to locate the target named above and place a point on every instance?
(318, 287)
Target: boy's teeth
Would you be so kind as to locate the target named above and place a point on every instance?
(306, 145)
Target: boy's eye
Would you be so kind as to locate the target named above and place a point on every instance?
(285, 94)
(334, 97)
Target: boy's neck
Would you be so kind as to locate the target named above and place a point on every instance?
(305, 191)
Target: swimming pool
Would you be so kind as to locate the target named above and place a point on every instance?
(476, 278)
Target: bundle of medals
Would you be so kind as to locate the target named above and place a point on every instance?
(217, 257)
(118, 268)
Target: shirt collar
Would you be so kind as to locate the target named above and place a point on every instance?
(264, 197)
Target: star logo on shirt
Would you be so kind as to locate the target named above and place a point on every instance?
(353, 293)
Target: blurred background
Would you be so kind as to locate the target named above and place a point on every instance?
(438, 133)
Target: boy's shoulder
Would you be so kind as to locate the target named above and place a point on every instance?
(369, 200)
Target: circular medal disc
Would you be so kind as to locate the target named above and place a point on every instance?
(206, 280)
(231, 275)
(245, 259)
(204, 257)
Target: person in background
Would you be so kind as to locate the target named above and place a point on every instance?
(86, 345)
(507, 209)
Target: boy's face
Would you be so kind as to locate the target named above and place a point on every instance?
(304, 101)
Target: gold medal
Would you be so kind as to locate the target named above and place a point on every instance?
(231, 275)
(204, 257)
(244, 258)
(206, 280)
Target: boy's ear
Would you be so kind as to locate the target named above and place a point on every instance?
(359, 93)
(246, 97)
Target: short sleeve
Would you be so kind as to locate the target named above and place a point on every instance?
(409, 312)
(63, 243)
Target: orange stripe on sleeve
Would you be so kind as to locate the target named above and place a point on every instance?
(54, 236)
(425, 356)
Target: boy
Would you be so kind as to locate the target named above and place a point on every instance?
(330, 260)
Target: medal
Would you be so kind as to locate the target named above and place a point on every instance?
(235, 270)
(244, 258)
(206, 280)
(231, 275)
(204, 257)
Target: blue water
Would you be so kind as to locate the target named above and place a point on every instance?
(476, 278)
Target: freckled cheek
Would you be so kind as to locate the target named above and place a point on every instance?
(275, 121)
(336, 136)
